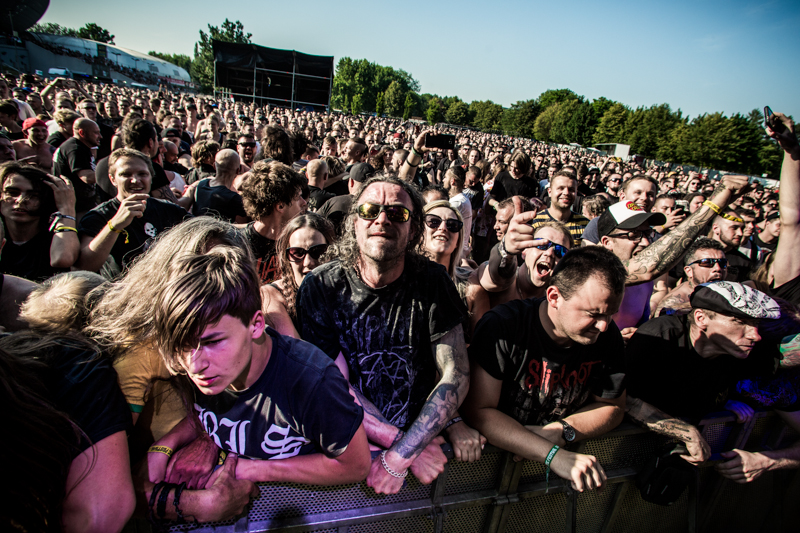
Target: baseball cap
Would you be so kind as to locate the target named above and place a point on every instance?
(31, 122)
(171, 132)
(734, 299)
(774, 215)
(361, 172)
(627, 215)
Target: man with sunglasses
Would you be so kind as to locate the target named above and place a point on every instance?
(392, 321)
(705, 262)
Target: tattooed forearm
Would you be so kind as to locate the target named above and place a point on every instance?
(663, 254)
(379, 430)
(446, 398)
(658, 421)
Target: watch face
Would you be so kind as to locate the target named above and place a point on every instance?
(569, 432)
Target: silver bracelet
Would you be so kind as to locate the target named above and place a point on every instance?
(386, 467)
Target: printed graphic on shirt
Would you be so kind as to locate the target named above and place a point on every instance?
(232, 435)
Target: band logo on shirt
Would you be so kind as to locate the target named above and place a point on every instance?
(277, 443)
(546, 380)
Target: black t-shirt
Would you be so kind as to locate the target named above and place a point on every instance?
(789, 291)
(85, 388)
(544, 382)
(218, 201)
(386, 334)
(264, 251)
(29, 260)
(71, 158)
(197, 174)
(56, 139)
(176, 167)
(336, 210)
(505, 186)
(475, 196)
(299, 405)
(665, 371)
(318, 197)
(159, 216)
(339, 188)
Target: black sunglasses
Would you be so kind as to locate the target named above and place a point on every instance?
(296, 254)
(635, 235)
(453, 225)
(560, 251)
(709, 262)
(247, 144)
(395, 213)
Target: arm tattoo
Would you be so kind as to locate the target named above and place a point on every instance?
(658, 421)
(164, 193)
(663, 254)
(444, 401)
(369, 407)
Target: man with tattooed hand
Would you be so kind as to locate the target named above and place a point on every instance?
(392, 321)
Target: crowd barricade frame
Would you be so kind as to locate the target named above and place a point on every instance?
(498, 495)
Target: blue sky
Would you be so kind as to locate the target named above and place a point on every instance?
(700, 56)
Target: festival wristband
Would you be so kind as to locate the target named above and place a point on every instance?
(120, 231)
(714, 207)
(62, 229)
(547, 461)
(453, 421)
(161, 449)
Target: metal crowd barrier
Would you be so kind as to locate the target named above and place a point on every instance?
(498, 495)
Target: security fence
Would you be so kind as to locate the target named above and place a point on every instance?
(499, 495)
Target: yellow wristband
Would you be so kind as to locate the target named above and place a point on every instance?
(120, 231)
(222, 455)
(62, 229)
(161, 449)
(714, 207)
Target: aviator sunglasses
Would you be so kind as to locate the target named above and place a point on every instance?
(296, 254)
(709, 262)
(560, 251)
(395, 213)
(453, 225)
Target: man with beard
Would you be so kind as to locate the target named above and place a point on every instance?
(392, 321)
(562, 190)
(34, 148)
(728, 230)
(640, 190)
(246, 147)
(549, 372)
(705, 262)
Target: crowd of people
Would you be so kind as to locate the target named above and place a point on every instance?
(199, 295)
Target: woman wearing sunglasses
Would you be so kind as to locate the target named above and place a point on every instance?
(300, 247)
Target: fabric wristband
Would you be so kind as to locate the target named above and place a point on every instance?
(547, 461)
(453, 421)
(386, 467)
(62, 229)
(414, 151)
(161, 449)
(714, 207)
(120, 231)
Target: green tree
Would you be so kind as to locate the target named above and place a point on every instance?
(54, 29)
(553, 96)
(601, 105)
(96, 33)
(355, 104)
(182, 60)
(408, 107)
(457, 113)
(393, 99)
(648, 128)
(524, 115)
(379, 105)
(486, 115)
(611, 128)
(203, 64)
(544, 123)
(434, 113)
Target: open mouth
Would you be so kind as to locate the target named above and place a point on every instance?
(543, 269)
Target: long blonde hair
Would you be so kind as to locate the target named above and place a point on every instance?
(455, 257)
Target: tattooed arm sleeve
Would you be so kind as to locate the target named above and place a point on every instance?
(660, 422)
(442, 404)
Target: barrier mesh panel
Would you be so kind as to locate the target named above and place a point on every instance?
(717, 434)
(762, 429)
(412, 524)
(745, 507)
(635, 514)
(545, 513)
(468, 477)
(593, 506)
(621, 452)
(467, 519)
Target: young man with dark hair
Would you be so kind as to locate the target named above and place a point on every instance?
(549, 372)
(273, 194)
(277, 406)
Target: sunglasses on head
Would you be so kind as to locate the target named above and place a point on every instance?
(434, 222)
(395, 213)
(560, 251)
(709, 262)
(296, 254)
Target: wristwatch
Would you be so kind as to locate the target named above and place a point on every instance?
(504, 255)
(568, 433)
